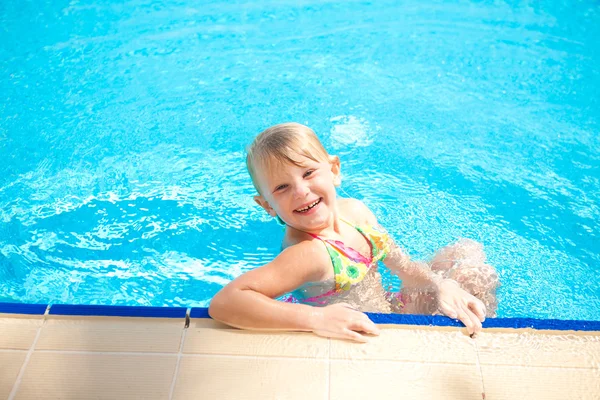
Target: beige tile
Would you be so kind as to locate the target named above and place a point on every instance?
(410, 343)
(79, 376)
(214, 377)
(111, 334)
(10, 365)
(209, 337)
(517, 382)
(361, 379)
(18, 331)
(207, 323)
(537, 349)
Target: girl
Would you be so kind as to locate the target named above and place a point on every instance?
(331, 249)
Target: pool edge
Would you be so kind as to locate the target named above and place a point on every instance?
(202, 312)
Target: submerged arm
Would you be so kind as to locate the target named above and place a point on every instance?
(452, 300)
(413, 273)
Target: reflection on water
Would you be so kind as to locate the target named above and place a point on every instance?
(123, 127)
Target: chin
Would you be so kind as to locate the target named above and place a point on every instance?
(315, 223)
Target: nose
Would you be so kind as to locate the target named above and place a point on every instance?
(301, 190)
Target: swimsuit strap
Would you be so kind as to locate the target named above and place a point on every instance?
(348, 222)
(378, 239)
(349, 266)
(345, 250)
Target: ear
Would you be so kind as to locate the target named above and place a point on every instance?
(265, 205)
(336, 170)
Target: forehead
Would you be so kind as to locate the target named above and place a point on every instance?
(273, 169)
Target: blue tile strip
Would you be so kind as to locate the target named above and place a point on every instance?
(552, 324)
(197, 312)
(405, 319)
(18, 308)
(438, 320)
(118, 311)
(515, 323)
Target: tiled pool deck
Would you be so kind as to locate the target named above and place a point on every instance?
(52, 355)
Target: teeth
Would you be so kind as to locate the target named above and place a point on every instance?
(309, 206)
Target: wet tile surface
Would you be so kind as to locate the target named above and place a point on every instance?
(538, 349)
(405, 344)
(218, 377)
(18, 331)
(110, 358)
(407, 380)
(78, 376)
(203, 338)
(10, 365)
(508, 382)
(111, 334)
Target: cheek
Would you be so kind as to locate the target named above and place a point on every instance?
(327, 183)
(278, 203)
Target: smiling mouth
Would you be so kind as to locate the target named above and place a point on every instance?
(311, 205)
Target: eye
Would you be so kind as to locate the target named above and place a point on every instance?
(280, 187)
(308, 173)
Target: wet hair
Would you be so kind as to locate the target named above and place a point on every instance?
(283, 144)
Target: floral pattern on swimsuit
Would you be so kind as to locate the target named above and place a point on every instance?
(349, 266)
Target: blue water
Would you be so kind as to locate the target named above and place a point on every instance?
(123, 127)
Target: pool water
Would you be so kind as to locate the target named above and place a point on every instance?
(123, 127)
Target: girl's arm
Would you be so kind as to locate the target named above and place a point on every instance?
(417, 273)
(453, 301)
(248, 301)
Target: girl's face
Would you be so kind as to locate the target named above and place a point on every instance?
(303, 197)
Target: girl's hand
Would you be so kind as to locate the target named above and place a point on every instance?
(342, 321)
(458, 304)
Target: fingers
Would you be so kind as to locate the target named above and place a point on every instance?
(470, 320)
(360, 321)
(463, 314)
(352, 332)
(355, 336)
(456, 303)
(478, 308)
(365, 325)
(464, 318)
(447, 310)
(345, 333)
(345, 322)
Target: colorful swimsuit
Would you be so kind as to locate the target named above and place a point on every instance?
(349, 266)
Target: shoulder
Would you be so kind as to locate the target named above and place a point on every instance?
(293, 267)
(356, 211)
(308, 255)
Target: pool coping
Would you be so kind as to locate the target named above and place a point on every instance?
(201, 312)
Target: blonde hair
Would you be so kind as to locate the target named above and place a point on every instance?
(282, 144)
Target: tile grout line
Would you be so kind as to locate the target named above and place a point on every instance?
(108, 353)
(479, 367)
(166, 354)
(328, 391)
(256, 357)
(17, 383)
(288, 358)
(180, 353)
